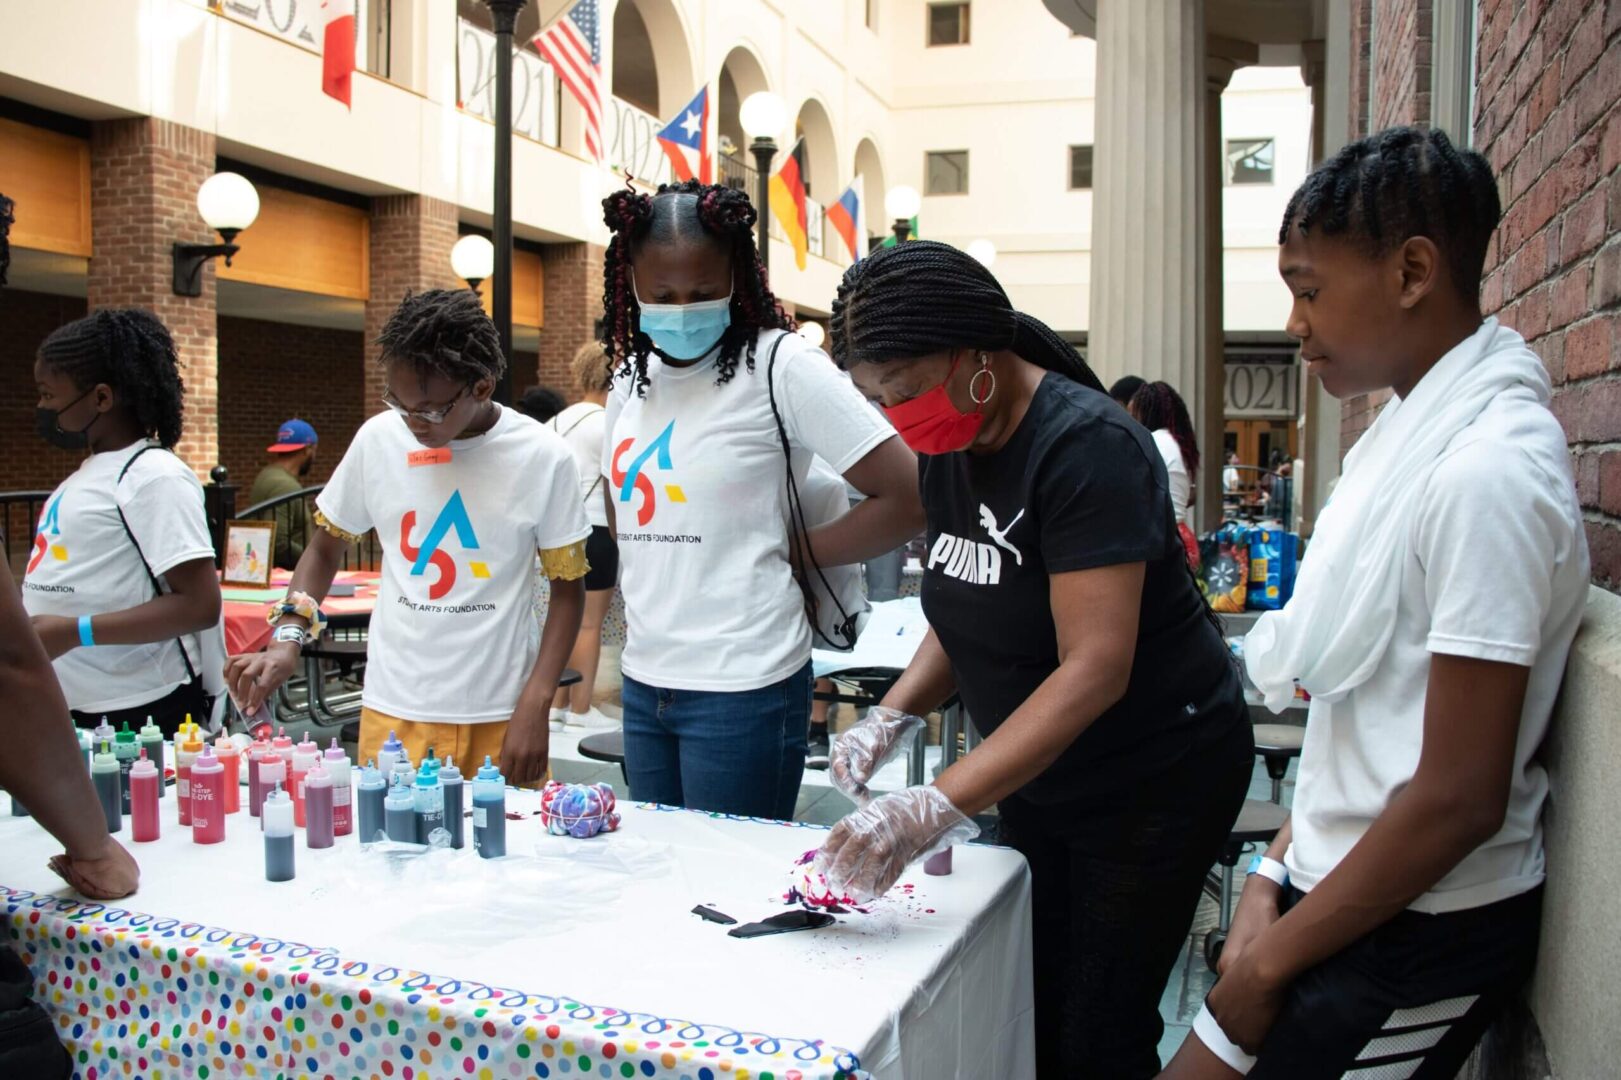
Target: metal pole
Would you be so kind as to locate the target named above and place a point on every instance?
(903, 230)
(764, 150)
(504, 15)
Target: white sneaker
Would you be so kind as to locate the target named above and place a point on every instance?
(558, 718)
(591, 718)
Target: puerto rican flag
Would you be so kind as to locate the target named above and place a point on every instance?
(337, 49)
(686, 141)
(849, 220)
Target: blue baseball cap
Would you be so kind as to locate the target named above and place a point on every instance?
(294, 435)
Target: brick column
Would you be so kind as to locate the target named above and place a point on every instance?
(573, 304)
(144, 176)
(411, 238)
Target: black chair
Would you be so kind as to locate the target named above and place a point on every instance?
(1277, 744)
(1258, 822)
(608, 746)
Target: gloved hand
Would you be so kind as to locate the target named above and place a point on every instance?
(867, 747)
(869, 847)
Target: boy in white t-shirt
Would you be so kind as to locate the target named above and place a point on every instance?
(462, 493)
(1399, 908)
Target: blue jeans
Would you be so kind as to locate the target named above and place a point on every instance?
(732, 753)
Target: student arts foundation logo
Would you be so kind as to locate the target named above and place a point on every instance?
(973, 561)
(635, 480)
(49, 536)
(452, 518)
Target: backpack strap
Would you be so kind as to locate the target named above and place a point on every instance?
(157, 587)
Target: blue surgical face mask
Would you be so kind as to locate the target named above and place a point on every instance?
(686, 331)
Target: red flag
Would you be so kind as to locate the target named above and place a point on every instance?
(337, 48)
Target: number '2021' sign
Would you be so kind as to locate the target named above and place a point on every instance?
(1262, 390)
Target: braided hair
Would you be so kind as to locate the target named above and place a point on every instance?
(6, 221)
(131, 351)
(443, 331)
(924, 297)
(1158, 406)
(688, 211)
(1401, 183)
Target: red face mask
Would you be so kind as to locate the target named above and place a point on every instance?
(931, 424)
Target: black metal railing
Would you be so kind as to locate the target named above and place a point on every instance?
(737, 173)
(294, 515)
(1258, 494)
(19, 521)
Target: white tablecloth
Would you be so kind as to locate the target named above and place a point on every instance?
(933, 982)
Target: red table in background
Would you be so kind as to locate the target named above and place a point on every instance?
(247, 631)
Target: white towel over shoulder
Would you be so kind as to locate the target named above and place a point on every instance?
(1334, 631)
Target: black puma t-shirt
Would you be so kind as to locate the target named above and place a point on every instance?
(1080, 485)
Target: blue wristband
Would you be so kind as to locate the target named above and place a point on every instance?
(86, 638)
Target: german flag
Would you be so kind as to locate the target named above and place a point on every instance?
(788, 203)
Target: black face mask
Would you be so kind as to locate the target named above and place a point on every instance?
(47, 422)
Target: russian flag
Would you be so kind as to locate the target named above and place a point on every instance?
(849, 222)
(686, 141)
(337, 48)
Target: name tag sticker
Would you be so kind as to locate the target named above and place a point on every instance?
(418, 458)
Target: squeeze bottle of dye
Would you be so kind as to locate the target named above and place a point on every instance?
(336, 763)
(207, 798)
(489, 811)
(318, 793)
(430, 763)
(391, 752)
(403, 770)
(17, 808)
(86, 749)
(272, 771)
(428, 803)
(283, 745)
(184, 758)
(399, 813)
(256, 789)
(104, 774)
(144, 785)
(125, 749)
(277, 816)
(370, 794)
(450, 783)
(305, 755)
(231, 761)
(104, 732)
(151, 740)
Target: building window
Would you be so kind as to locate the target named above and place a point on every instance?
(1080, 168)
(1249, 161)
(872, 14)
(947, 172)
(948, 24)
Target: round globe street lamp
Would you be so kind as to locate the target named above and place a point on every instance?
(228, 203)
(763, 115)
(473, 259)
(902, 204)
(813, 333)
(983, 252)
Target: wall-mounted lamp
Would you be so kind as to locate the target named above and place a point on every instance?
(229, 204)
(473, 259)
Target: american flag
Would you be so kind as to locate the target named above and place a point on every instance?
(573, 46)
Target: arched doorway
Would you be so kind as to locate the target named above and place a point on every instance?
(819, 163)
(870, 167)
(740, 75)
(651, 76)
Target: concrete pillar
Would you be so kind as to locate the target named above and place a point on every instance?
(411, 238)
(144, 176)
(1149, 243)
(572, 300)
(1211, 420)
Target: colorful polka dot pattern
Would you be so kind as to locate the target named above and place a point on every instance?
(155, 999)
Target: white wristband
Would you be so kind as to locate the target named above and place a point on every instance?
(292, 633)
(1271, 869)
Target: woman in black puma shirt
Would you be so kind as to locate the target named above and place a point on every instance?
(1117, 743)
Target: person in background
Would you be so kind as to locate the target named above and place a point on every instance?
(541, 403)
(42, 769)
(581, 427)
(1159, 408)
(292, 456)
(1125, 388)
(1230, 475)
(121, 581)
(462, 494)
(1274, 483)
(1398, 911)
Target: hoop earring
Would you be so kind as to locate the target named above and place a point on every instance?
(985, 370)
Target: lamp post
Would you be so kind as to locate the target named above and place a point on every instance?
(472, 259)
(228, 202)
(983, 252)
(504, 16)
(763, 116)
(902, 204)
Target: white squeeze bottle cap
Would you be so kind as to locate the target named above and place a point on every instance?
(277, 813)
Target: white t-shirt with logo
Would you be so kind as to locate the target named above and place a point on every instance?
(82, 563)
(454, 635)
(1496, 569)
(581, 426)
(698, 483)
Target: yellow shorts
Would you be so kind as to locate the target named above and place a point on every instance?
(467, 743)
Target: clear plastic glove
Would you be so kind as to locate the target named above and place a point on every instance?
(867, 747)
(869, 847)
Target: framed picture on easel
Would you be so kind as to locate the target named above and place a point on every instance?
(249, 553)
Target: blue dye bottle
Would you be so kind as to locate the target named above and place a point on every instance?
(490, 811)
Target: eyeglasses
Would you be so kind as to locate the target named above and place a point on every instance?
(427, 416)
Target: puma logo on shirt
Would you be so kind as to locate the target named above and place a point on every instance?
(971, 561)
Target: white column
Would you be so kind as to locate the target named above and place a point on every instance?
(1148, 236)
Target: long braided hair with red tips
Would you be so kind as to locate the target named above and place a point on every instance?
(684, 213)
(1157, 406)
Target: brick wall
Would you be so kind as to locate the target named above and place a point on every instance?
(1361, 70)
(411, 238)
(27, 463)
(573, 298)
(1549, 121)
(272, 372)
(1401, 46)
(144, 176)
